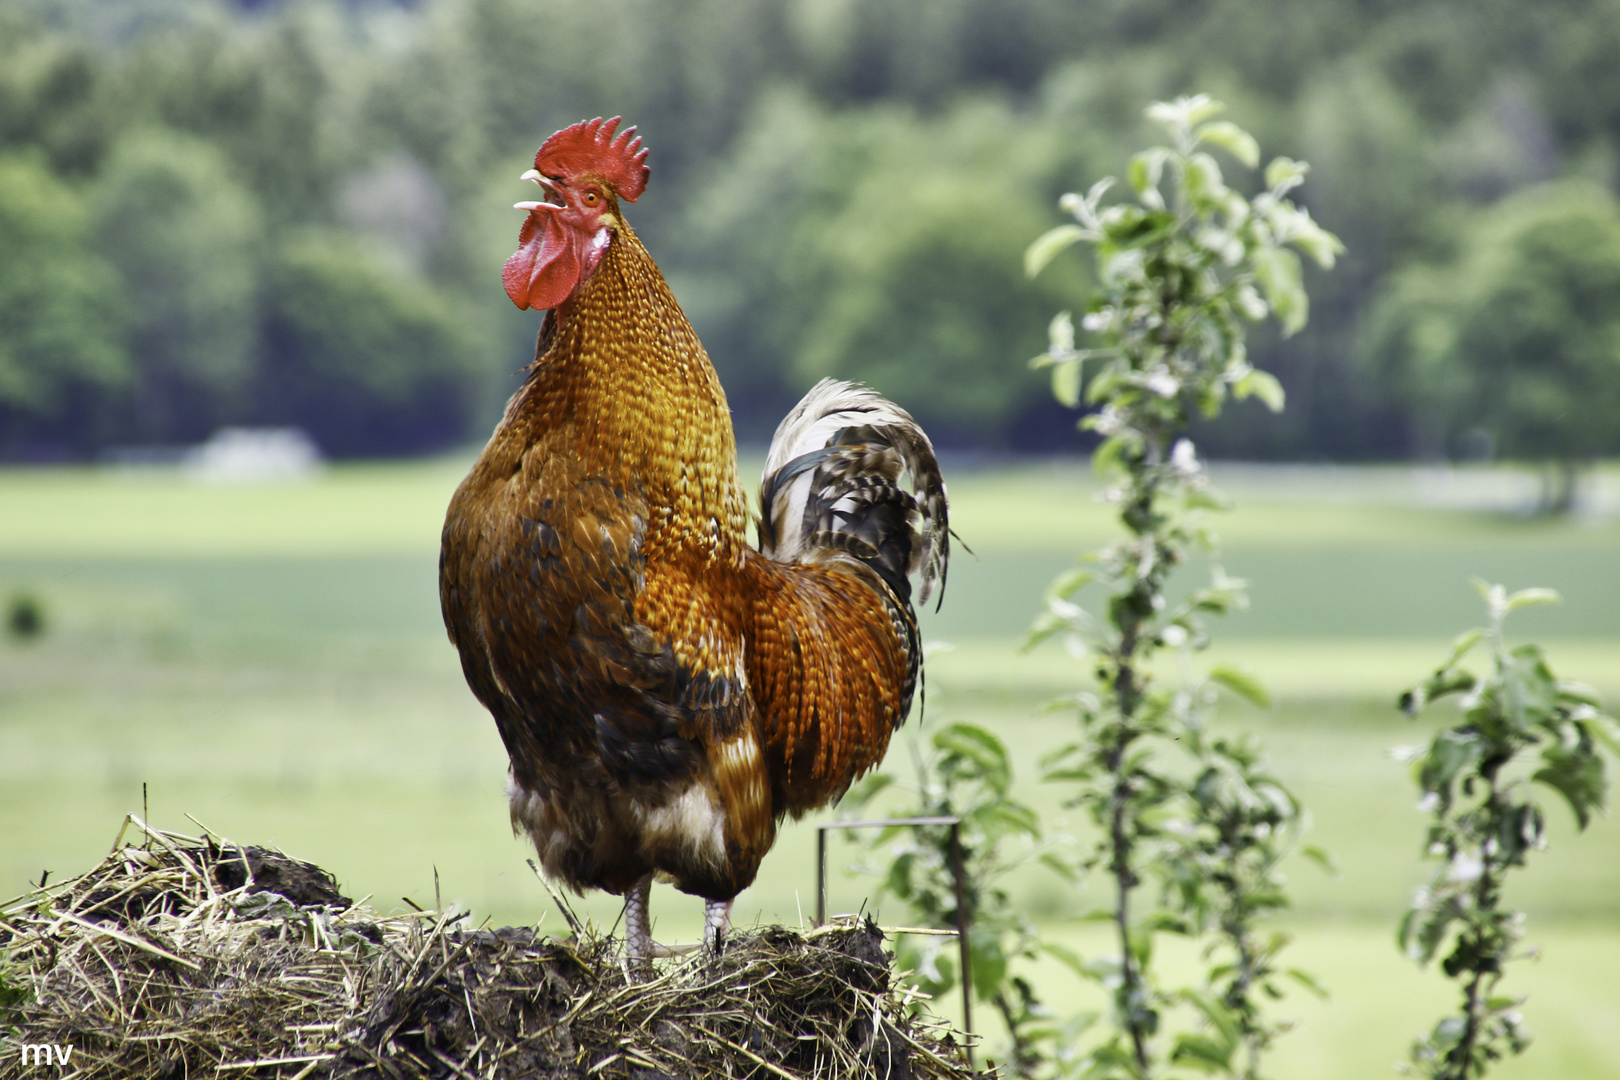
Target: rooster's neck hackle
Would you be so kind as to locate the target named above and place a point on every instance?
(622, 370)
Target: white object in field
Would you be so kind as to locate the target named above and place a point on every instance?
(236, 455)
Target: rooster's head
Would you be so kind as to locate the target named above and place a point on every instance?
(584, 172)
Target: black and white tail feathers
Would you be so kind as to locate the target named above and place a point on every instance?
(833, 488)
(836, 487)
(833, 485)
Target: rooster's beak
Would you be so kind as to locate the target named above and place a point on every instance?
(554, 199)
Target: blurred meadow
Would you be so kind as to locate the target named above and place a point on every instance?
(269, 660)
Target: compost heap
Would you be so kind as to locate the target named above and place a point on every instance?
(195, 957)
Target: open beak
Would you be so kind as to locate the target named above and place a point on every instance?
(553, 199)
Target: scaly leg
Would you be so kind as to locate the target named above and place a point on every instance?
(637, 923)
(716, 924)
(640, 948)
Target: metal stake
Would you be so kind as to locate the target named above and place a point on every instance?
(957, 873)
(821, 876)
(962, 931)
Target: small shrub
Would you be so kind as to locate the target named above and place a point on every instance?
(1181, 270)
(1486, 821)
(25, 617)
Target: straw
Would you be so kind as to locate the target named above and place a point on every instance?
(198, 957)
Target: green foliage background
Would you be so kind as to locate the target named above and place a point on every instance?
(295, 212)
(1521, 334)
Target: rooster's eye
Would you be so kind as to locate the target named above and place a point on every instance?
(591, 198)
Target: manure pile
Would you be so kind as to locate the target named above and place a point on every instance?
(197, 957)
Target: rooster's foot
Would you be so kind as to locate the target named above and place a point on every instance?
(716, 925)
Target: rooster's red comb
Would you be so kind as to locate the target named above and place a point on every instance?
(589, 149)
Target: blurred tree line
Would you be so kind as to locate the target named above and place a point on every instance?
(296, 212)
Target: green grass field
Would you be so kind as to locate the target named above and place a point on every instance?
(269, 660)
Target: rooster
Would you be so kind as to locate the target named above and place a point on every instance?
(666, 692)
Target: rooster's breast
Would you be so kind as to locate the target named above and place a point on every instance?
(615, 678)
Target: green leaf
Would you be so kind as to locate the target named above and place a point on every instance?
(1095, 915)
(898, 881)
(1109, 1061)
(1105, 382)
(1284, 173)
(1604, 729)
(1532, 597)
(1494, 595)
(1049, 245)
(1066, 382)
(931, 964)
(1203, 178)
(1184, 112)
(1528, 686)
(1447, 680)
(1139, 939)
(1109, 455)
(1242, 683)
(1137, 230)
(1575, 774)
(1065, 956)
(1519, 829)
(1278, 271)
(1200, 107)
(1308, 981)
(1231, 138)
(1208, 498)
(974, 744)
(1202, 1052)
(1060, 866)
(1220, 1017)
(1423, 930)
(1263, 385)
(1449, 754)
(1460, 647)
(988, 959)
(1405, 930)
(1320, 857)
(1060, 333)
(1046, 626)
(1004, 817)
(1069, 582)
(1067, 750)
(1322, 246)
(1571, 692)
(1144, 173)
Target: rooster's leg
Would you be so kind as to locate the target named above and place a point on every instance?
(716, 924)
(637, 925)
